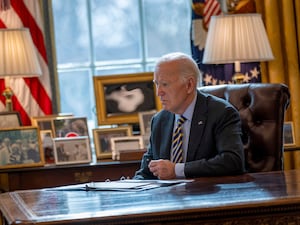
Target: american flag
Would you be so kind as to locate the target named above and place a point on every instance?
(32, 96)
(202, 10)
(211, 8)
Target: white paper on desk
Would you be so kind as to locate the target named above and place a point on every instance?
(120, 186)
(133, 185)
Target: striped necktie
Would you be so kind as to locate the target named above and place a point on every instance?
(177, 151)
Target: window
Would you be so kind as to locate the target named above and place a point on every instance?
(100, 37)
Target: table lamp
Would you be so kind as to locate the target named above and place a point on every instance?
(237, 38)
(18, 58)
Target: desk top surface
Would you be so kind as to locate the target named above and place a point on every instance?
(204, 195)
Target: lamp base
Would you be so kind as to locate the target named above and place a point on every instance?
(238, 78)
(8, 93)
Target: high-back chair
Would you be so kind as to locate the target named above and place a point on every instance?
(262, 108)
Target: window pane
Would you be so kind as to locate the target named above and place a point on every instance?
(118, 70)
(116, 30)
(76, 93)
(167, 26)
(71, 31)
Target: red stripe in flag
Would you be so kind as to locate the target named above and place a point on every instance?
(32, 99)
(211, 8)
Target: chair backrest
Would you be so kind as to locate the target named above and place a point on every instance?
(262, 108)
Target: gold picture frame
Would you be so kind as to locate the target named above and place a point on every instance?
(102, 138)
(20, 147)
(120, 97)
(46, 122)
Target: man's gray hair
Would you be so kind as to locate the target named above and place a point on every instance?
(188, 65)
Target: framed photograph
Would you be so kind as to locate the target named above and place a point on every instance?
(20, 147)
(125, 144)
(46, 122)
(119, 98)
(10, 119)
(47, 145)
(70, 127)
(288, 134)
(145, 121)
(72, 150)
(102, 138)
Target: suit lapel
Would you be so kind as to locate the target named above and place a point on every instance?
(166, 139)
(197, 126)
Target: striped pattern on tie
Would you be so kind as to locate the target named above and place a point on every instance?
(177, 151)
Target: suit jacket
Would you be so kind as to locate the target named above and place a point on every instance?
(215, 146)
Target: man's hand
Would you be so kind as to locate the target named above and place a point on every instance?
(163, 169)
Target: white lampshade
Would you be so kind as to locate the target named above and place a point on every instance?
(236, 38)
(17, 54)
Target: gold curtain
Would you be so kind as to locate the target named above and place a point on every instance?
(282, 21)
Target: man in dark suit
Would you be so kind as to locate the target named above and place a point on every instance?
(212, 144)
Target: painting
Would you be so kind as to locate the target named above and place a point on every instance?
(119, 98)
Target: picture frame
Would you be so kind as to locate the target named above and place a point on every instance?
(102, 138)
(120, 97)
(126, 144)
(20, 147)
(288, 134)
(10, 119)
(72, 150)
(145, 125)
(46, 122)
(70, 127)
(145, 121)
(47, 145)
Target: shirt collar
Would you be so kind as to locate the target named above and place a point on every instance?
(188, 113)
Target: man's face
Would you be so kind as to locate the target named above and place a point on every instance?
(172, 89)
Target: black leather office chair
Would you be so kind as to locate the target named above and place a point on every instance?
(262, 108)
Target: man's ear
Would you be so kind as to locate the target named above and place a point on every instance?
(190, 84)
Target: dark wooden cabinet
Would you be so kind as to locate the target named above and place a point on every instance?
(52, 176)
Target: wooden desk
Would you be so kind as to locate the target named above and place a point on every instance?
(261, 198)
(52, 176)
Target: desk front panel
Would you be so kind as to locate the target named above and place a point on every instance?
(52, 176)
(262, 198)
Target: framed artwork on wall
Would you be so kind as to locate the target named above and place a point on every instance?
(119, 98)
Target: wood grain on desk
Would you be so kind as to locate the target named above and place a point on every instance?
(260, 198)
